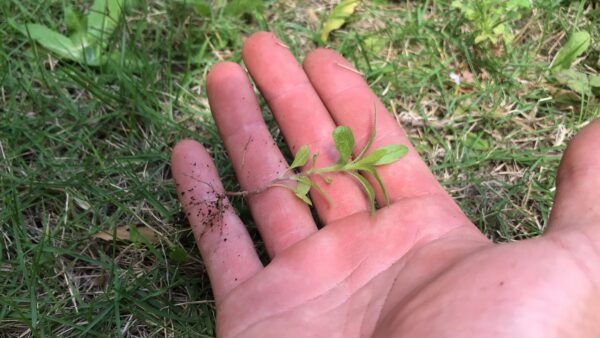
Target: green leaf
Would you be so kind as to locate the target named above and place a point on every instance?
(200, 6)
(482, 37)
(575, 80)
(203, 9)
(77, 27)
(375, 43)
(380, 156)
(457, 4)
(367, 187)
(338, 17)
(301, 157)
(115, 8)
(503, 31)
(518, 4)
(52, 41)
(103, 18)
(178, 254)
(577, 44)
(75, 21)
(595, 81)
(302, 189)
(97, 18)
(241, 7)
(344, 143)
(491, 20)
(304, 199)
(303, 186)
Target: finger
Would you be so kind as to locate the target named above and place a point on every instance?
(224, 243)
(302, 118)
(578, 185)
(351, 103)
(280, 216)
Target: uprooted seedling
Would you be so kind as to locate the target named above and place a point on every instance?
(356, 167)
(300, 183)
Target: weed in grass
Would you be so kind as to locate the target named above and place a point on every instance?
(491, 18)
(337, 17)
(580, 82)
(89, 35)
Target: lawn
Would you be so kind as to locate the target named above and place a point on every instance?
(84, 148)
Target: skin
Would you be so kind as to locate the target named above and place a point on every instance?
(415, 268)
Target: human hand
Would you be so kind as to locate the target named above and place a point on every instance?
(416, 268)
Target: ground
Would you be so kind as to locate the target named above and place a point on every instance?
(85, 149)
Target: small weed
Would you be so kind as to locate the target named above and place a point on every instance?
(491, 18)
(234, 8)
(355, 167)
(582, 83)
(89, 34)
(338, 17)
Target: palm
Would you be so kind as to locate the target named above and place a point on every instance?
(337, 281)
(417, 267)
(345, 288)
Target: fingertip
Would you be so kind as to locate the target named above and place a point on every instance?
(255, 41)
(273, 67)
(184, 148)
(257, 36)
(316, 56)
(224, 80)
(191, 163)
(231, 97)
(580, 152)
(225, 84)
(322, 67)
(578, 183)
(330, 74)
(221, 72)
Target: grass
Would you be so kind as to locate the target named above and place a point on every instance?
(85, 149)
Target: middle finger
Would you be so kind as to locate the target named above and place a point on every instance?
(303, 119)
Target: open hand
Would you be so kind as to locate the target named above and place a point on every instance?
(417, 267)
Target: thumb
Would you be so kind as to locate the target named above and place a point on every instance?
(576, 203)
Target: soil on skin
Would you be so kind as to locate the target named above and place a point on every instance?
(208, 212)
